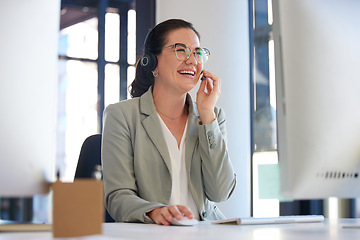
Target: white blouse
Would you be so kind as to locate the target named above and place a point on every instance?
(180, 192)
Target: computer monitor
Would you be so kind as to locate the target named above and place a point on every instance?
(28, 92)
(317, 68)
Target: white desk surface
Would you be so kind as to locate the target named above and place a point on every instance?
(329, 230)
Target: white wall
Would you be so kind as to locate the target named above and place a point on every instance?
(223, 26)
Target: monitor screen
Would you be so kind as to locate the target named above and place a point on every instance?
(28, 75)
(317, 68)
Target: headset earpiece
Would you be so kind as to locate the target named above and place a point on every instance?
(149, 62)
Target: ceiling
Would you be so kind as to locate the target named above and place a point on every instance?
(71, 15)
(73, 11)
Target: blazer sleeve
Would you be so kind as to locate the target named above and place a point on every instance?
(120, 189)
(219, 179)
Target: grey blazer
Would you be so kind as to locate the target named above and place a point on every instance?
(136, 161)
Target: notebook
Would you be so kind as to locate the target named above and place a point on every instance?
(25, 227)
(272, 220)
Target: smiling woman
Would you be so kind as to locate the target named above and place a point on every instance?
(174, 65)
(165, 157)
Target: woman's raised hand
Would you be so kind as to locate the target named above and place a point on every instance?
(207, 96)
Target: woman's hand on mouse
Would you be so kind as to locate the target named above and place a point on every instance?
(165, 215)
(207, 96)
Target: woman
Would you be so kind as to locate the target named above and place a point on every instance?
(163, 156)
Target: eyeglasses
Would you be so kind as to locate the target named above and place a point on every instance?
(183, 53)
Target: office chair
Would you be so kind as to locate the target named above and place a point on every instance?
(89, 159)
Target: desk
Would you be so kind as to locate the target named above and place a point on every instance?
(329, 230)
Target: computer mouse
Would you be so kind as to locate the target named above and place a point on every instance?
(184, 222)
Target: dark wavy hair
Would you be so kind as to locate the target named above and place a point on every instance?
(154, 43)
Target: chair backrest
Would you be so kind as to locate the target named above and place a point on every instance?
(89, 159)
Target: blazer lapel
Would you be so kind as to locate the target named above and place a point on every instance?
(152, 126)
(192, 134)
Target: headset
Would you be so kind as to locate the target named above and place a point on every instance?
(149, 60)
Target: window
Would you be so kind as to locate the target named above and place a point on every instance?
(263, 104)
(96, 62)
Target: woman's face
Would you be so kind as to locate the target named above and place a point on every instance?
(176, 75)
